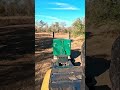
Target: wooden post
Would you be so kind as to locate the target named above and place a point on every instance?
(53, 34)
(69, 35)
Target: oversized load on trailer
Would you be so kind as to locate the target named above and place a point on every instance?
(64, 75)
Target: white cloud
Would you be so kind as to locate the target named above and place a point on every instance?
(51, 18)
(63, 6)
(68, 8)
(60, 4)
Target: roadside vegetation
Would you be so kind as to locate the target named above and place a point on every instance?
(103, 13)
(16, 7)
(77, 28)
(16, 12)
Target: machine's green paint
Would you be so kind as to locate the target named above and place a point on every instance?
(61, 47)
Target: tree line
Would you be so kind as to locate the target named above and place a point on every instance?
(102, 11)
(77, 27)
(16, 7)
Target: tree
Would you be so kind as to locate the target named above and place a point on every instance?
(40, 25)
(62, 24)
(46, 27)
(16, 7)
(78, 27)
(57, 26)
(78, 24)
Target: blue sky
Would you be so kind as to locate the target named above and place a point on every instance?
(51, 11)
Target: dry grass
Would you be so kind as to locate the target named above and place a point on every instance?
(77, 42)
(16, 20)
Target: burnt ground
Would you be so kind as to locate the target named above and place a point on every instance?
(17, 57)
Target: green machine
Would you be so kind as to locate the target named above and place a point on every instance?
(61, 51)
(61, 47)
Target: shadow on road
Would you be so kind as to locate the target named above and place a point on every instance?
(43, 43)
(95, 67)
(75, 54)
(103, 87)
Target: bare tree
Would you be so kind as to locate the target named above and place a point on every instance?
(41, 24)
(56, 25)
(46, 27)
(63, 24)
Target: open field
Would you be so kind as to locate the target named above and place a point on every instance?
(44, 53)
(17, 57)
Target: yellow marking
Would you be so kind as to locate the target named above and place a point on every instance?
(45, 84)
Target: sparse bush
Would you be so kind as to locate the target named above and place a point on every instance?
(78, 28)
